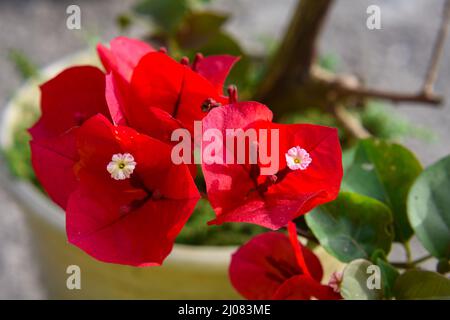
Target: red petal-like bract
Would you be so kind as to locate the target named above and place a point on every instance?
(67, 100)
(264, 263)
(133, 221)
(304, 288)
(233, 188)
(123, 55)
(53, 160)
(266, 268)
(119, 61)
(216, 69)
(159, 82)
(155, 94)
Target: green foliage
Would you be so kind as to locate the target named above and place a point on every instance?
(197, 232)
(352, 227)
(329, 62)
(123, 21)
(311, 115)
(314, 116)
(384, 171)
(384, 122)
(348, 156)
(429, 208)
(389, 275)
(166, 14)
(419, 284)
(18, 155)
(355, 279)
(25, 67)
(199, 28)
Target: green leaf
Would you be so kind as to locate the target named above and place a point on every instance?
(385, 171)
(359, 281)
(348, 156)
(167, 14)
(198, 28)
(222, 43)
(23, 64)
(329, 62)
(389, 275)
(429, 208)
(353, 226)
(124, 21)
(385, 122)
(419, 284)
(197, 232)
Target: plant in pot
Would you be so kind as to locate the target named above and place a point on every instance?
(103, 150)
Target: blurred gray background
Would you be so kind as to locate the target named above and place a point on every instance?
(394, 57)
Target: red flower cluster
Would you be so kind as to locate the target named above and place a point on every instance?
(240, 193)
(102, 151)
(273, 266)
(101, 148)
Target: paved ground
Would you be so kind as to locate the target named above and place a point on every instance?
(394, 57)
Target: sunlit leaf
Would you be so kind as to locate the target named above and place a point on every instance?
(384, 171)
(419, 284)
(352, 227)
(359, 281)
(429, 208)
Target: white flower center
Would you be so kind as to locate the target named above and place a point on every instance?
(121, 166)
(297, 158)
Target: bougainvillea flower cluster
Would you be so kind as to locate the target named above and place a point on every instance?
(274, 266)
(310, 169)
(102, 151)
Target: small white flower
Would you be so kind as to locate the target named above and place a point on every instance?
(121, 166)
(297, 158)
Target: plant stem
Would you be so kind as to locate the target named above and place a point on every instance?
(297, 50)
(412, 264)
(438, 50)
(350, 122)
(408, 252)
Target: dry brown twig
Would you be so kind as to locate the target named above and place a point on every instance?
(426, 95)
(294, 47)
(350, 122)
(438, 50)
(347, 86)
(352, 88)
